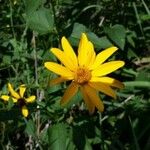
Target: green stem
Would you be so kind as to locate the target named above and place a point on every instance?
(55, 21)
(134, 135)
(36, 82)
(11, 19)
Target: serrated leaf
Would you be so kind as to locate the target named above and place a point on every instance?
(32, 6)
(57, 135)
(117, 34)
(41, 20)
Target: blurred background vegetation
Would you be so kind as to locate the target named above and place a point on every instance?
(28, 29)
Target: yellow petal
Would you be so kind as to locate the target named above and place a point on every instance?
(25, 111)
(104, 88)
(22, 89)
(94, 98)
(57, 81)
(83, 49)
(5, 97)
(109, 81)
(90, 58)
(82, 43)
(88, 103)
(63, 58)
(58, 69)
(69, 93)
(12, 91)
(107, 68)
(30, 99)
(102, 56)
(68, 50)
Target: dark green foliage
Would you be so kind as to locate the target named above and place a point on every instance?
(29, 28)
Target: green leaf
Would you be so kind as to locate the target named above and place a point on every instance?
(74, 100)
(31, 128)
(144, 84)
(6, 59)
(145, 17)
(41, 20)
(86, 130)
(143, 75)
(68, 2)
(117, 34)
(44, 136)
(87, 145)
(31, 6)
(131, 54)
(131, 35)
(58, 136)
(99, 43)
(136, 144)
(10, 104)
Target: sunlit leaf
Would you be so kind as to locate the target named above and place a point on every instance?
(117, 34)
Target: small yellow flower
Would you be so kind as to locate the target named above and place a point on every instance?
(87, 72)
(18, 97)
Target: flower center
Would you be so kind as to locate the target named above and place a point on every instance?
(82, 75)
(21, 102)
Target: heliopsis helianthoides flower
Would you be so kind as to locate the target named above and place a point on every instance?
(18, 97)
(87, 71)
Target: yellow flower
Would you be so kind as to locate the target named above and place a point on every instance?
(18, 97)
(87, 72)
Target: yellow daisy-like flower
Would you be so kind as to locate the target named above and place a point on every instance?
(87, 72)
(18, 97)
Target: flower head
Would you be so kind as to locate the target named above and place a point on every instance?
(87, 71)
(18, 97)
